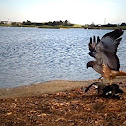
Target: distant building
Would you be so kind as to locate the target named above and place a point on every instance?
(5, 22)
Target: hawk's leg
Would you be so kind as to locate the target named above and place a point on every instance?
(111, 81)
(99, 79)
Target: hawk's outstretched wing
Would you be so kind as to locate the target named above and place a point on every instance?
(104, 50)
(111, 40)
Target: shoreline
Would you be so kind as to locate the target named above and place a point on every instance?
(47, 87)
(41, 88)
(61, 102)
(69, 27)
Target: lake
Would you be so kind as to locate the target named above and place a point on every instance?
(33, 55)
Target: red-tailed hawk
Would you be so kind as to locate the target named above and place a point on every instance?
(104, 51)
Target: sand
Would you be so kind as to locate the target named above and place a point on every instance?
(61, 103)
(41, 88)
(47, 87)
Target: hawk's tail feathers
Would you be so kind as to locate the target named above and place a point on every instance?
(122, 73)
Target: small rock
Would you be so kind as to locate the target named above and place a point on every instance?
(9, 113)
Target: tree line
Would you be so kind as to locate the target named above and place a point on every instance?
(50, 23)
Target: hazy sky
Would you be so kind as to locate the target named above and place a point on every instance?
(75, 11)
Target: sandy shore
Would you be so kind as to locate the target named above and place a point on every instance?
(41, 88)
(47, 87)
(61, 102)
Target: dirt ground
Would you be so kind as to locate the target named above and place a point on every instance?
(61, 105)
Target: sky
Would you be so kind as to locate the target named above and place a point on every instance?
(76, 11)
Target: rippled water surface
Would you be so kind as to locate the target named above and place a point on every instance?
(32, 55)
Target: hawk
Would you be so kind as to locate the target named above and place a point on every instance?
(104, 51)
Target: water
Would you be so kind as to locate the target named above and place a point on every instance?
(33, 55)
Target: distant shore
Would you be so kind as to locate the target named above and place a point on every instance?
(68, 27)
